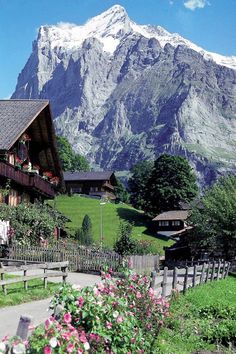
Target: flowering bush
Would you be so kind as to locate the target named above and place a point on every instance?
(13, 345)
(115, 316)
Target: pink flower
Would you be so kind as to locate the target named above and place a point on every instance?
(134, 277)
(108, 325)
(80, 351)
(47, 350)
(151, 292)
(138, 295)
(107, 276)
(67, 317)
(133, 340)
(66, 335)
(120, 319)
(70, 348)
(96, 291)
(80, 301)
(47, 323)
(82, 337)
(5, 338)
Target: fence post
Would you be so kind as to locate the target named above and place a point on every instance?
(153, 279)
(202, 273)
(185, 280)
(227, 269)
(194, 275)
(25, 281)
(45, 278)
(2, 278)
(218, 270)
(175, 275)
(207, 272)
(223, 270)
(65, 269)
(23, 327)
(164, 282)
(213, 271)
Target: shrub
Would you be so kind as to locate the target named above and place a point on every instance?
(125, 244)
(115, 316)
(84, 235)
(30, 222)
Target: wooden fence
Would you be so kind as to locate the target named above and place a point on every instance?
(84, 259)
(181, 279)
(144, 263)
(47, 272)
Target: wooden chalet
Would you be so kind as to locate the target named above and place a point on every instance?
(172, 224)
(29, 164)
(97, 184)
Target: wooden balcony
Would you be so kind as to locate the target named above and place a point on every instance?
(29, 180)
(42, 186)
(108, 185)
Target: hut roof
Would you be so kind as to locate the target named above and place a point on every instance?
(15, 117)
(88, 176)
(172, 215)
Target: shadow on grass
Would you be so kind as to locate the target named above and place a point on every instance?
(140, 219)
(133, 216)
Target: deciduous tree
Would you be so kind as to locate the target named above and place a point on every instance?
(215, 221)
(69, 159)
(138, 183)
(171, 181)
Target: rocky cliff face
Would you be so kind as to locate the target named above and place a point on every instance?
(122, 92)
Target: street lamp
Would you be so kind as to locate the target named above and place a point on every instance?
(101, 224)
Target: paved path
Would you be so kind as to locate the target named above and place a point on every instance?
(9, 316)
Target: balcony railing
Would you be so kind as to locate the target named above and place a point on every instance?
(108, 185)
(29, 180)
(40, 185)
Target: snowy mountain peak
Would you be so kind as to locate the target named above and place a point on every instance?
(110, 28)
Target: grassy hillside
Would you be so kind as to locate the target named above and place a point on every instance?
(203, 319)
(76, 207)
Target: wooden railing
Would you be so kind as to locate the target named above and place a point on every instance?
(39, 184)
(9, 171)
(26, 179)
(181, 279)
(46, 272)
(108, 185)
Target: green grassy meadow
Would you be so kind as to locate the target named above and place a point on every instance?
(76, 207)
(203, 319)
(16, 294)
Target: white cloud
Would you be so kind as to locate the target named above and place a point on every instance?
(195, 4)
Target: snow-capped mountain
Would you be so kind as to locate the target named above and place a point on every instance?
(122, 92)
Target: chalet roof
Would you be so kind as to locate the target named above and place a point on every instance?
(15, 117)
(172, 215)
(88, 176)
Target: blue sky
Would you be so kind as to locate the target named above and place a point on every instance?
(208, 23)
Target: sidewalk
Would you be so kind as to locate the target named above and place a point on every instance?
(9, 316)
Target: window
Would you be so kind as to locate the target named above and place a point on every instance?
(76, 190)
(163, 223)
(176, 223)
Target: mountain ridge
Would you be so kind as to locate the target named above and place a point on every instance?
(120, 96)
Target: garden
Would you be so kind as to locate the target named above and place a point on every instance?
(123, 315)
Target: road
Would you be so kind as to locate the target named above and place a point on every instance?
(9, 316)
